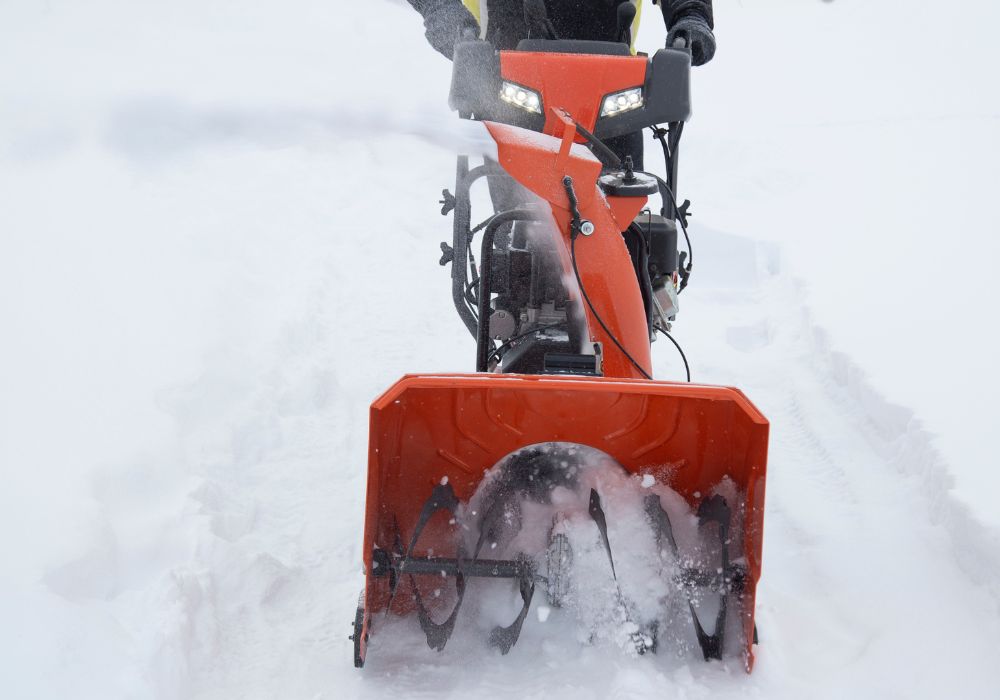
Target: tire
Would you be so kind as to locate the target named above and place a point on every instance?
(360, 637)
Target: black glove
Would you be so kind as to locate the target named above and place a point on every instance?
(698, 36)
(449, 24)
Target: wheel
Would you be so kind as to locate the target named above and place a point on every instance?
(360, 637)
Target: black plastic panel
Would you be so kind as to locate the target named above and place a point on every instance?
(475, 88)
(578, 46)
(667, 95)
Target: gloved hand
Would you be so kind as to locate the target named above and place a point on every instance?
(694, 29)
(447, 25)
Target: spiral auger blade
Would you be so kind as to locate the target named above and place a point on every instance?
(438, 634)
(408, 563)
(728, 580)
(504, 638)
(504, 511)
(715, 510)
(442, 498)
(644, 640)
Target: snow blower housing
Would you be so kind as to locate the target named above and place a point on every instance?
(433, 436)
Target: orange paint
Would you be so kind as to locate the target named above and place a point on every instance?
(576, 83)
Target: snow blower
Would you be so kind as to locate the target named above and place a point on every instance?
(529, 468)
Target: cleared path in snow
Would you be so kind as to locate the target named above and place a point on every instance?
(859, 582)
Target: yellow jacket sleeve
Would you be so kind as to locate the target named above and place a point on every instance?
(473, 7)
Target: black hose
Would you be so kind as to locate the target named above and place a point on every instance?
(498, 353)
(677, 345)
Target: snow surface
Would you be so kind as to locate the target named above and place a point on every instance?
(206, 212)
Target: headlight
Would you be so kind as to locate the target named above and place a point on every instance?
(522, 97)
(624, 101)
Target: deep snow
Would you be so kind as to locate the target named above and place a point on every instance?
(207, 212)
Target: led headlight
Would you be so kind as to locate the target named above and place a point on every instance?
(624, 101)
(522, 97)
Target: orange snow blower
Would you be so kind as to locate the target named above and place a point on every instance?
(513, 472)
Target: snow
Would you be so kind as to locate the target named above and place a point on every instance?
(206, 211)
(867, 144)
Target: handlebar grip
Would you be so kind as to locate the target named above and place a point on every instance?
(626, 17)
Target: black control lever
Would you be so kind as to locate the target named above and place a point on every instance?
(626, 16)
(536, 17)
(600, 149)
